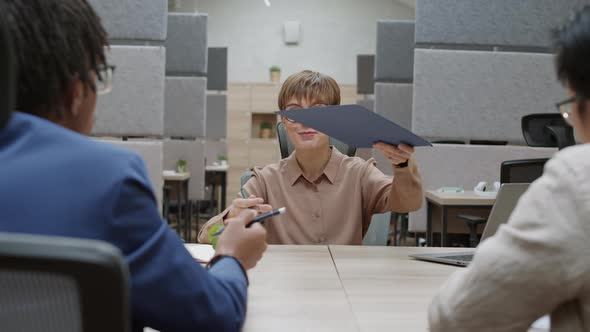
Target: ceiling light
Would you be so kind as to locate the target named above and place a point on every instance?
(267, 3)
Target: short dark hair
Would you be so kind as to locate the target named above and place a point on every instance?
(55, 41)
(572, 43)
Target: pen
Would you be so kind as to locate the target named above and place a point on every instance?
(243, 192)
(259, 219)
(270, 214)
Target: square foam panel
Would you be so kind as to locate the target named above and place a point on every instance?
(216, 116)
(133, 19)
(193, 152)
(481, 95)
(152, 154)
(463, 166)
(135, 107)
(186, 105)
(365, 73)
(394, 61)
(394, 101)
(499, 22)
(217, 69)
(186, 44)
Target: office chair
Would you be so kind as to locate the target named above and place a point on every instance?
(448, 141)
(522, 171)
(511, 171)
(55, 284)
(547, 130)
(7, 76)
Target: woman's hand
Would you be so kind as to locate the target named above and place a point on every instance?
(396, 154)
(252, 202)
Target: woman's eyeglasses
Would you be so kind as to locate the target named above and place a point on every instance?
(297, 107)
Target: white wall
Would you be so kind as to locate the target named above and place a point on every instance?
(333, 33)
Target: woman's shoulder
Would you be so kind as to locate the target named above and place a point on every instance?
(270, 169)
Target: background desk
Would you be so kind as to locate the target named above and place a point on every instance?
(216, 176)
(180, 182)
(444, 201)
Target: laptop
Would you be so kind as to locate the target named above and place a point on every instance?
(506, 200)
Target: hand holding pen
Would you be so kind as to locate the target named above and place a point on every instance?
(238, 206)
(247, 202)
(259, 219)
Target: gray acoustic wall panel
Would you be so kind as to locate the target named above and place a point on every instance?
(365, 74)
(186, 105)
(481, 95)
(193, 152)
(394, 61)
(152, 154)
(135, 107)
(133, 19)
(491, 22)
(464, 166)
(367, 103)
(186, 44)
(394, 101)
(217, 69)
(216, 116)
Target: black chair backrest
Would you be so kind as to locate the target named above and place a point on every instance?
(486, 142)
(547, 130)
(287, 147)
(448, 141)
(61, 284)
(7, 74)
(521, 171)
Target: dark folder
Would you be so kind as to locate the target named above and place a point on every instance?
(354, 125)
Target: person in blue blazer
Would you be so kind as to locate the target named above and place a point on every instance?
(54, 180)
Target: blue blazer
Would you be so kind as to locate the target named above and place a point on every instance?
(54, 181)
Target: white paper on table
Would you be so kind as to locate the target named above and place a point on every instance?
(201, 252)
(543, 323)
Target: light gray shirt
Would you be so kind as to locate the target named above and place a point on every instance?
(537, 263)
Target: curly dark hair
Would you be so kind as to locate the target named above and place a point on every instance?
(55, 41)
(572, 43)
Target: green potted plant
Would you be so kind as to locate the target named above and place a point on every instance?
(265, 130)
(181, 166)
(222, 159)
(275, 74)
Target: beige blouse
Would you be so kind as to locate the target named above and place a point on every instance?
(337, 207)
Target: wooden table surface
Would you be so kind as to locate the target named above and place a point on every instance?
(343, 288)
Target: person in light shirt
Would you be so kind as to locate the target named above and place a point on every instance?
(537, 263)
